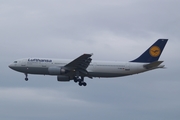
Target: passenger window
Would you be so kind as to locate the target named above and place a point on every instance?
(15, 61)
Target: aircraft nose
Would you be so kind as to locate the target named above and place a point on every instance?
(11, 66)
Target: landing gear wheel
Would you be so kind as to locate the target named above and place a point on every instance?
(80, 80)
(82, 83)
(76, 79)
(26, 79)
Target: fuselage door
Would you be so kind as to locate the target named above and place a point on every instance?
(23, 63)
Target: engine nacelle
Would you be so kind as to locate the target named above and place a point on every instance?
(63, 78)
(56, 70)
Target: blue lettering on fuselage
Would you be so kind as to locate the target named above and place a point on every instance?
(39, 60)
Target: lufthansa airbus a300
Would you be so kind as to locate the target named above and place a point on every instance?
(84, 66)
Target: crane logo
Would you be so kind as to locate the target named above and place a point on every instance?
(154, 51)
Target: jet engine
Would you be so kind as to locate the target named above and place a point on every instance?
(63, 78)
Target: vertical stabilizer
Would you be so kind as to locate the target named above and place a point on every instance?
(153, 53)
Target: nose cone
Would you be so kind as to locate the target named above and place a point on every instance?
(11, 66)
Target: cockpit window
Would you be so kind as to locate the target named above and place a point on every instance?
(15, 61)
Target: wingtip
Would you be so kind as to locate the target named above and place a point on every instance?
(163, 39)
(88, 54)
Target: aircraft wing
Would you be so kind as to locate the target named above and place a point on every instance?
(80, 64)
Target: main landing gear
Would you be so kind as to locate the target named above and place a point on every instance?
(80, 80)
(26, 78)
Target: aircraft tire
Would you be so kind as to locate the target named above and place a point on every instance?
(80, 84)
(84, 84)
(75, 80)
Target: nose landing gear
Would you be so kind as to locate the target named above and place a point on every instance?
(26, 78)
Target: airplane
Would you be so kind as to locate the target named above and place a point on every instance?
(83, 66)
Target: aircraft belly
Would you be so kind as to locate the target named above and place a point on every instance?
(38, 70)
(109, 72)
(32, 70)
(101, 74)
(103, 71)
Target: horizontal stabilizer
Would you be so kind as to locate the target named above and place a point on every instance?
(153, 65)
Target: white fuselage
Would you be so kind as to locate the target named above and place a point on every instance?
(95, 69)
(85, 66)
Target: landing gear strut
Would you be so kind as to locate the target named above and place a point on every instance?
(26, 78)
(76, 79)
(80, 80)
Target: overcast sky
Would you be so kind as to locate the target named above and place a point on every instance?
(117, 30)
